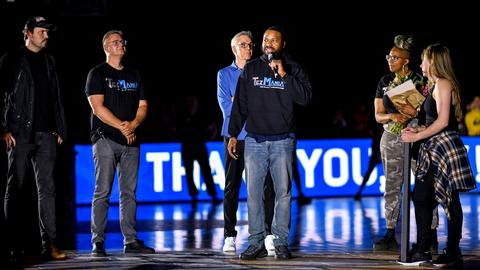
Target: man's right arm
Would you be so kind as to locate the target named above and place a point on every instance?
(223, 95)
(239, 111)
(102, 112)
(106, 116)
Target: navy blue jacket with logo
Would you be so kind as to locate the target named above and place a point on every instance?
(265, 102)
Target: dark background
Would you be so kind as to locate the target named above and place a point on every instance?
(180, 46)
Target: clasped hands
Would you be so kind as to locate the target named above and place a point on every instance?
(128, 130)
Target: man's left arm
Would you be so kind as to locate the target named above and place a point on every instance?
(128, 127)
(298, 85)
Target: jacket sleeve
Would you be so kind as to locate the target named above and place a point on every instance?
(298, 85)
(239, 108)
(223, 95)
(59, 110)
(6, 83)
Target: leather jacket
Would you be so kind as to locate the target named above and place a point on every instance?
(17, 96)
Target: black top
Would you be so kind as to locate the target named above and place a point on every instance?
(387, 83)
(43, 107)
(122, 90)
(266, 102)
(428, 114)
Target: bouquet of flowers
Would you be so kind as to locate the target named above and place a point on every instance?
(402, 92)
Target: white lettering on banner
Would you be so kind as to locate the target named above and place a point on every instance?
(177, 171)
(382, 183)
(196, 175)
(157, 159)
(218, 172)
(309, 165)
(357, 172)
(341, 155)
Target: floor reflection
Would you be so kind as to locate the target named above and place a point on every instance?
(333, 225)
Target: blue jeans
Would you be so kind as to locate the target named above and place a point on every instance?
(276, 157)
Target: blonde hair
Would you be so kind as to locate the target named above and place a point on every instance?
(109, 33)
(441, 67)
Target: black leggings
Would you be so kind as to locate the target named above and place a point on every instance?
(424, 201)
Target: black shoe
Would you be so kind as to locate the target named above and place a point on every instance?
(282, 253)
(449, 259)
(138, 247)
(98, 249)
(417, 258)
(388, 242)
(254, 252)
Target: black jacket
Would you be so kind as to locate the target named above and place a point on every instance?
(18, 96)
(265, 102)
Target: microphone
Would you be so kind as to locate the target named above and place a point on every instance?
(273, 56)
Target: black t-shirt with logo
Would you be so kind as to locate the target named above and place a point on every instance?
(122, 90)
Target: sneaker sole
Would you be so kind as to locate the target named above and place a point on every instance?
(419, 263)
(139, 252)
(98, 255)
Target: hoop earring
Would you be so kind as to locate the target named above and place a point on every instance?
(404, 69)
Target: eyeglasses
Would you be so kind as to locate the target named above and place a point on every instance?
(246, 45)
(119, 42)
(394, 58)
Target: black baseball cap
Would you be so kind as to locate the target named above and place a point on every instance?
(39, 22)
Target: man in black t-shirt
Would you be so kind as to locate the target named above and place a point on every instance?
(117, 98)
(33, 123)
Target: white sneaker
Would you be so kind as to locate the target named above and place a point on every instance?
(269, 244)
(229, 245)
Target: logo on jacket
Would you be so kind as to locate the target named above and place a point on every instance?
(268, 83)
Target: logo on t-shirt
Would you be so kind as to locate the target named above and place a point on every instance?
(122, 85)
(268, 83)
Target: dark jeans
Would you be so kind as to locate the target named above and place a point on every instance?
(233, 181)
(41, 155)
(198, 152)
(424, 201)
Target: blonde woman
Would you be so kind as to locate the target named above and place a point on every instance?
(443, 169)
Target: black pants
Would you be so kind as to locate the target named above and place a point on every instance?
(41, 155)
(198, 152)
(424, 201)
(233, 181)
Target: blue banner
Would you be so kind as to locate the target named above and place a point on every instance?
(326, 168)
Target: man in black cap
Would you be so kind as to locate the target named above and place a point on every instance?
(33, 123)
